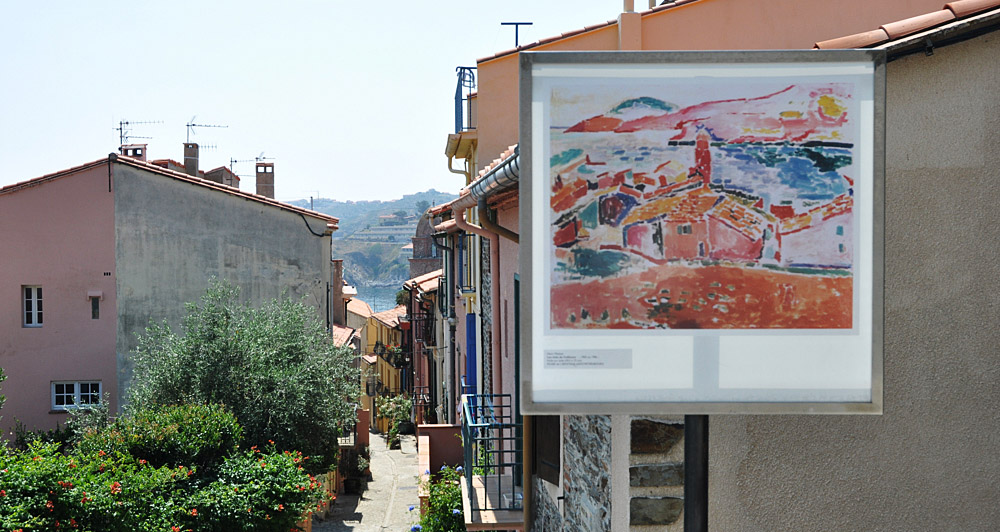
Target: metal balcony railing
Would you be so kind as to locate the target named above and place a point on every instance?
(491, 442)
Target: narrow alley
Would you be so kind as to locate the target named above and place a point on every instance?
(386, 503)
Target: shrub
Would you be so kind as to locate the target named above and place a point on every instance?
(444, 502)
(43, 489)
(275, 367)
(194, 435)
(396, 409)
(111, 490)
(256, 491)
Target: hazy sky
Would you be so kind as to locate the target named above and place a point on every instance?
(354, 100)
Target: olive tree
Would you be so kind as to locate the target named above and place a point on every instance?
(274, 367)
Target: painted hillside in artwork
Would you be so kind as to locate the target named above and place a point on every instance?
(725, 213)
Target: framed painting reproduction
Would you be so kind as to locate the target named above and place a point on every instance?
(702, 231)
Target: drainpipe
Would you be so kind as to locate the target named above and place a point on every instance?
(502, 177)
(458, 209)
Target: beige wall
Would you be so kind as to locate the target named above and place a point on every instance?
(932, 460)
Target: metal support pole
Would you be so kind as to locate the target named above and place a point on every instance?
(696, 473)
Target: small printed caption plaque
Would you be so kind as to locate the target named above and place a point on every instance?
(588, 359)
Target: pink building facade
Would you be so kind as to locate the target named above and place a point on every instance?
(92, 254)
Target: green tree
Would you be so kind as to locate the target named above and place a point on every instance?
(274, 367)
(402, 297)
(422, 207)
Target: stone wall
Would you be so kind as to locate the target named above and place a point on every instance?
(586, 481)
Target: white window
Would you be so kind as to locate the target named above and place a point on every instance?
(32, 306)
(75, 394)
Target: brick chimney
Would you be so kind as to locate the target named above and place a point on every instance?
(191, 159)
(135, 151)
(265, 179)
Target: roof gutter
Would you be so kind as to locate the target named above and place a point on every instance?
(503, 176)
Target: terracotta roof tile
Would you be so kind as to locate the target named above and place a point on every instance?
(901, 28)
(332, 221)
(341, 335)
(420, 280)
(359, 307)
(904, 27)
(858, 40)
(968, 7)
(390, 317)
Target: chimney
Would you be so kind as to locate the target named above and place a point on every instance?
(135, 151)
(265, 179)
(191, 159)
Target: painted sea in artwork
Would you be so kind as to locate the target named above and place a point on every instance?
(728, 207)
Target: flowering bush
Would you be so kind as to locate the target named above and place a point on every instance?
(444, 502)
(195, 435)
(121, 489)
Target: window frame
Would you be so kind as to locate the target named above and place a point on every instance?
(77, 395)
(36, 312)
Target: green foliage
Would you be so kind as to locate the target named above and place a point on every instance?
(256, 492)
(421, 207)
(395, 409)
(193, 435)
(23, 437)
(402, 297)
(3, 398)
(444, 502)
(275, 368)
(116, 490)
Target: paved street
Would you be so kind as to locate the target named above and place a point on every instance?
(385, 504)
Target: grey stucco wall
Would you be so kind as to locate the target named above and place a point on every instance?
(932, 460)
(172, 237)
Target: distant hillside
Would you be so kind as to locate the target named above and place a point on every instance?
(357, 215)
(372, 247)
(372, 263)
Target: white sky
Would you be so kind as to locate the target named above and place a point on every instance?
(354, 100)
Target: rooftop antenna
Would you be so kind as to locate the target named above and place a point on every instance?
(124, 128)
(191, 125)
(261, 157)
(517, 26)
(234, 162)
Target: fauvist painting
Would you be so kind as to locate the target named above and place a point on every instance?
(703, 206)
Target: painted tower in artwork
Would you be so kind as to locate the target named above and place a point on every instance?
(702, 157)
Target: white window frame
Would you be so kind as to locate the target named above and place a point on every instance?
(31, 293)
(77, 394)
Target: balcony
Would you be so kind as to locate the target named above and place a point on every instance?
(492, 495)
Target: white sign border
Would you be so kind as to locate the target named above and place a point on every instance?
(704, 371)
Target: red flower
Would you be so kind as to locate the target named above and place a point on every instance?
(175, 529)
(281, 507)
(194, 511)
(116, 487)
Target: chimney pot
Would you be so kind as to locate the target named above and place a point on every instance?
(265, 179)
(191, 159)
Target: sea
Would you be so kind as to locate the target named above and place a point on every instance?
(379, 298)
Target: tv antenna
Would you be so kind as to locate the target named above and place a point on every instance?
(191, 125)
(124, 129)
(261, 157)
(517, 26)
(234, 162)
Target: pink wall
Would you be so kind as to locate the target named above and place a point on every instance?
(444, 445)
(60, 235)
